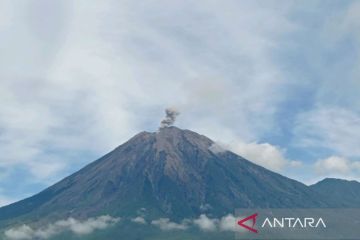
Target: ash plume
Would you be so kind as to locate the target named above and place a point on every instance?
(170, 117)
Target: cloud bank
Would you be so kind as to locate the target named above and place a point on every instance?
(167, 225)
(77, 227)
(203, 223)
(139, 220)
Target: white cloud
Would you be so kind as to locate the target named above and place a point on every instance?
(229, 223)
(95, 81)
(95, 74)
(78, 227)
(295, 163)
(218, 148)
(139, 220)
(205, 223)
(166, 225)
(335, 166)
(263, 154)
(21, 233)
(334, 128)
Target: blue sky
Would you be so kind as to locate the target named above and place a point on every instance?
(275, 81)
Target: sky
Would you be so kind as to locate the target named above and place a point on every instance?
(277, 82)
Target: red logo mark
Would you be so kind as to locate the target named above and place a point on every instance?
(253, 218)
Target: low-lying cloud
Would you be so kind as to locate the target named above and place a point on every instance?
(166, 225)
(75, 226)
(139, 220)
(203, 223)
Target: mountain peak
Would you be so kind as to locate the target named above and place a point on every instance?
(175, 137)
(170, 131)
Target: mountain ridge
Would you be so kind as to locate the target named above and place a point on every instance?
(346, 193)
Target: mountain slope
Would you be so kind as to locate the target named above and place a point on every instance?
(171, 173)
(341, 192)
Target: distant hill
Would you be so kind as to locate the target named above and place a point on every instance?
(341, 192)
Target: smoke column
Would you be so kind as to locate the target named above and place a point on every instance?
(170, 117)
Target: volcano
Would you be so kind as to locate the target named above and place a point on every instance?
(171, 173)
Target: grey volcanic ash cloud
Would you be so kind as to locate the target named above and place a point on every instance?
(171, 114)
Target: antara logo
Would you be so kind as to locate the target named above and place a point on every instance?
(251, 217)
(290, 222)
(285, 222)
